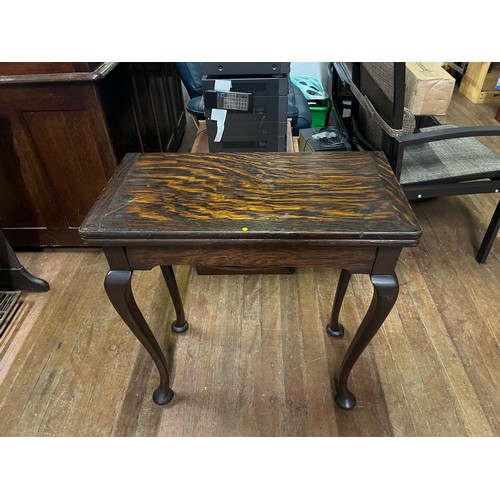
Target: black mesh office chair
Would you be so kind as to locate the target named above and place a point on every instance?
(440, 160)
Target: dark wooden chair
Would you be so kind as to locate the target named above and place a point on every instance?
(440, 160)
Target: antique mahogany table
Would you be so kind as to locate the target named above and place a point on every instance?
(338, 209)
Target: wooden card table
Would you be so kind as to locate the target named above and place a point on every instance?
(338, 209)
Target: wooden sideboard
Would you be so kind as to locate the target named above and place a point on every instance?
(65, 127)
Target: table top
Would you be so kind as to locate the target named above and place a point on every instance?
(350, 196)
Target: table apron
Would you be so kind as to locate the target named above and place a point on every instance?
(216, 254)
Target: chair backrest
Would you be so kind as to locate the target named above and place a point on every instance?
(383, 84)
(190, 73)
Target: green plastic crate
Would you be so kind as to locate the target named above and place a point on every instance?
(319, 113)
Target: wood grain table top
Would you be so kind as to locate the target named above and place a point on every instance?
(318, 195)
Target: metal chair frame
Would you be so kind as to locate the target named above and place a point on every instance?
(457, 186)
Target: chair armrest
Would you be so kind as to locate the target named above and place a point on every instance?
(438, 135)
(448, 133)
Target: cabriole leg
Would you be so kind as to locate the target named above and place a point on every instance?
(386, 290)
(334, 328)
(118, 287)
(180, 325)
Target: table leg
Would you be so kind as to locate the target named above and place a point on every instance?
(334, 328)
(118, 287)
(180, 325)
(386, 290)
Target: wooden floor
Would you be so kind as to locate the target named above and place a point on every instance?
(256, 360)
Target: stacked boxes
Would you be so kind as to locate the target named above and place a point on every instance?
(261, 127)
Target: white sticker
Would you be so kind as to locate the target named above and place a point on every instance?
(222, 85)
(219, 115)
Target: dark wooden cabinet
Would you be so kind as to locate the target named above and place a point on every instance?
(65, 127)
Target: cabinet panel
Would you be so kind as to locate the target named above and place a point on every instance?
(157, 104)
(65, 142)
(26, 195)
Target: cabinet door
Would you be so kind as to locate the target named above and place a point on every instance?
(27, 198)
(55, 156)
(67, 144)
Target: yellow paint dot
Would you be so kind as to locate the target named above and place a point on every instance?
(244, 228)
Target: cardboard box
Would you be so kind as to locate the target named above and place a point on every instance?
(428, 88)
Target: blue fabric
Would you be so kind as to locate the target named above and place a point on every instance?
(190, 74)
